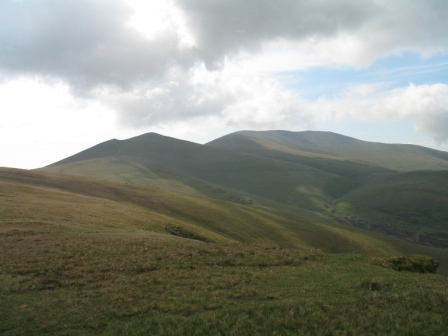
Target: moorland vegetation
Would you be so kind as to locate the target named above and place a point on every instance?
(254, 233)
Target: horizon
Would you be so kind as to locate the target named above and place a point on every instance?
(74, 74)
(193, 142)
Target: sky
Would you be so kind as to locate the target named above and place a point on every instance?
(75, 73)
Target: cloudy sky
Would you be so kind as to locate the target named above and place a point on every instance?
(74, 73)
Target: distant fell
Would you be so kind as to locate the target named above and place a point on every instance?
(145, 146)
(399, 157)
(391, 188)
(155, 160)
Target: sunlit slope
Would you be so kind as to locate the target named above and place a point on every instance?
(37, 201)
(164, 162)
(129, 170)
(328, 145)
(412, 205)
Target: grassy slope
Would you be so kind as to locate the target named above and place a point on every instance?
(161, 161)
(83, 257)
(285, 170)
(331, 145)
(149, 285)
(411, 205)
(71, 204)
(355, 171)
(163, 212)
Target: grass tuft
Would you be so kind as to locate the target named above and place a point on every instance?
(414, 263)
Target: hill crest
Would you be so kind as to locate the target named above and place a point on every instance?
(399, 157)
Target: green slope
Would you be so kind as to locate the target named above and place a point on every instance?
(159, 161)
(159, 285)
(262, 145)
(35, 202)
(295, 172)
(411, 205)
(335, 146)
(87, 257)
(70, 203)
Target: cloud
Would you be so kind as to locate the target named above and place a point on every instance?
(36, 131)
(403, 25)
(222, 73)
(199, 94)
(224, 27)
(425, 105)
(93, 43)
(85, 43)
(357, 32)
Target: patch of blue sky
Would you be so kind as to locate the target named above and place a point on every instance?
(392, 71)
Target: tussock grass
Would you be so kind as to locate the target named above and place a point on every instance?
(162, 285)
(414, 263)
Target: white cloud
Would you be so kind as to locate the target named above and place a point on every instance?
(41, 121)
(152, 18)
(199, 94)
(83, 43)
(425, 105)
(109, 67)
(96, 43)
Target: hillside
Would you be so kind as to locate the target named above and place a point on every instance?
(397, 157)
(83, 256)
(159, 161)
(71, 204)
(411, 205)
(79, 205)
(307, 173)
(408, 202)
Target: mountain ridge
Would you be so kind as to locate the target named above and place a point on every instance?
(399, 157)
(313, 173)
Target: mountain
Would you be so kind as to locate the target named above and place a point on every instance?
(330, 145)
(408, 201)
(312, 174)
(159, 161)
(163, 236)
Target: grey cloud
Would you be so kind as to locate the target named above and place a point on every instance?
(253, 102)
(173, 105)
(86, 43)
(382, 26)
(435, 124)
(172, 98)
(418, 26)
(221, 27)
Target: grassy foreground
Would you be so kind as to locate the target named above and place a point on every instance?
(161, 285)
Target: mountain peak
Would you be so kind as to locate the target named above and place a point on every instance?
(320, 143)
